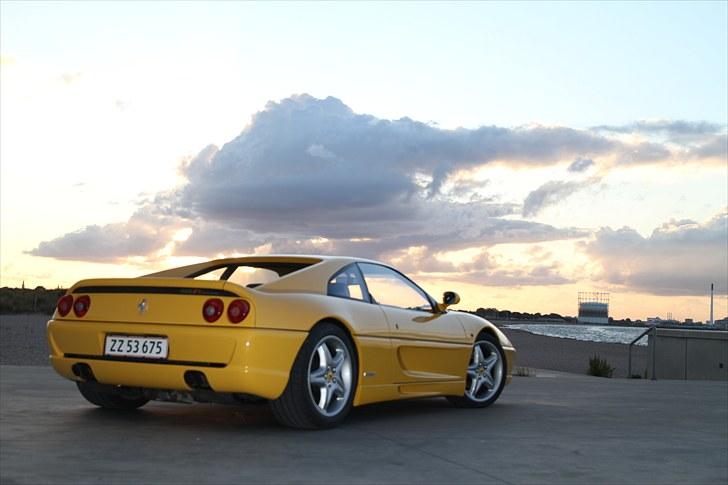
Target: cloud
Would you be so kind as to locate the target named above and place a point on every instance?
(689, 140)
(580, 165)
(311, 175)
(319, 151)
(645, 152)
(678, 258)
(552, 193)
(673, 128)
(111, 242)
(715, 147)
(483, 269)
(445, 226)
(304, 160)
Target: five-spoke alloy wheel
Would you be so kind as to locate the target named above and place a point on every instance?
(322, 383)
(486, 374)
(329, 375)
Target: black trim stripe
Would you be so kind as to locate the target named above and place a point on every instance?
(154, 290)
(144, 361)
(413, 339)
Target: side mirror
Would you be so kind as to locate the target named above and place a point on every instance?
(448, 298)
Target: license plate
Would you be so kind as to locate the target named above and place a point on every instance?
(131, 346)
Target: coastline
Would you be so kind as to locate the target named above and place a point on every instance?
(569, 355)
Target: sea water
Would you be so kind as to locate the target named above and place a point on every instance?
(591, 333)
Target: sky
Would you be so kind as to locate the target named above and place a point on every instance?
(517, 153)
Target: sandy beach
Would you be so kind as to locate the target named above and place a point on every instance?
(23, 342)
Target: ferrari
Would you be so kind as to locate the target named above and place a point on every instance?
(311, 335)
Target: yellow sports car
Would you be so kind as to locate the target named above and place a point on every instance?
(313, 335)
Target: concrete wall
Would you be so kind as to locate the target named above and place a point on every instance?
(688, 354)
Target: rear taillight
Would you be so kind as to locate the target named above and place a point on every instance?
(81, 305)
(238, 310)
(212, 309)
(64, 305)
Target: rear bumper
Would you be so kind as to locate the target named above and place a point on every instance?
(236, 359)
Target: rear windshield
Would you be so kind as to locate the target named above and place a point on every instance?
(248, 274)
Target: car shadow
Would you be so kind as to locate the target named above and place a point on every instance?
(403, 409)
(417, 409)
(216, 417)
(256, 417)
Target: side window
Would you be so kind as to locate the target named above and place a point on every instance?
(387, 287)
(347, 283)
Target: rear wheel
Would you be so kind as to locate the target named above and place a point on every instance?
(322, 383)
(121, 399)
(486, 375)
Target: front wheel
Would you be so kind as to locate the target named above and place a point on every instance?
(322, 383)
(122, 399)
(486, 375)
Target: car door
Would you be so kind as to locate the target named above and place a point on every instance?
(429, 346)
(370, 325)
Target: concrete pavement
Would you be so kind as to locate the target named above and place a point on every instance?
(551, 428)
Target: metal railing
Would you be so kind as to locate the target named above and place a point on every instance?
(652, 329)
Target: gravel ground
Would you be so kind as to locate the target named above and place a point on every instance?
(23, 339)
(23, 342)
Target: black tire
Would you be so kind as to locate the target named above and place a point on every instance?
(121, 400)
(465, 401)
(295, 408)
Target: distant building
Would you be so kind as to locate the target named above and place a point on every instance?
(660, 321)
(593, 307)
(689, 321)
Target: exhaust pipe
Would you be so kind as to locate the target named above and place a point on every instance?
(197, 380)
(83, 371)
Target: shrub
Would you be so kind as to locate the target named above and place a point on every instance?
(599, 367)
(24, 300)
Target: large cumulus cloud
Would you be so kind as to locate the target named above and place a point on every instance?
(308, 168)
(311, 175)
(306, 161)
